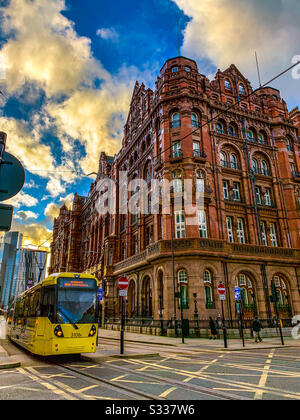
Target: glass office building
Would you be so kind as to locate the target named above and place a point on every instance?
(20, 268)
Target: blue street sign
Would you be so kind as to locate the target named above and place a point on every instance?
(100, 294)
(237, 293)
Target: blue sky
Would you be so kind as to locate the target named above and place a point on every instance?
(70, 67)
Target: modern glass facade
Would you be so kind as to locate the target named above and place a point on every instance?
(20, 268)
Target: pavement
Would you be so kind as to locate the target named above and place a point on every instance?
(193, 343)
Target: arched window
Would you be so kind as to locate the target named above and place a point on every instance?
(289, 144)
(262, 138)
(207, 279)
(233, 161)
(195, 119)
(200, 181)
(264, 168)
(228, 85)
(232, 130)
(177, 182)
(282, 292)
(255, 166)
(220, 128)
(250, 135)
(175, 120)
(247, 291)
(223, 159)
(183, 289)
(207, 276)
(202, 223)
(242, 90)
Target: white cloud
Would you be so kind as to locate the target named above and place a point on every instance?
(108, 34)
(230, 31)
(22, 199)
(25, 215)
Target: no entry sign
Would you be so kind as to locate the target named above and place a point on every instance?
(221, 289)
(123, 283)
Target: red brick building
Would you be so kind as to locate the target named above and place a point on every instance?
(245, 147)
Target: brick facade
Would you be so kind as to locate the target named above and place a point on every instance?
(246, 149)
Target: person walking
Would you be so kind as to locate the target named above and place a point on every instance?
(257, 327)
(213, 329)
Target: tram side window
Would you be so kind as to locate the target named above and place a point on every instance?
(19, 311)
(47, 302)
(34, 305)
(26, 303)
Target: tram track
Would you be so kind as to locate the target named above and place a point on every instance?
(195, 389)
(124, 389)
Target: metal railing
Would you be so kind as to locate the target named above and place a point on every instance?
(199, 324)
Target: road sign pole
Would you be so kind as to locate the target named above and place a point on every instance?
(123, 287)
(242, 324)
(275, 300)
(224, 327)
(122, 327)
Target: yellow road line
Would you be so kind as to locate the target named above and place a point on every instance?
(47, 385)
(263, 380)
(206, 377)
(168, 392)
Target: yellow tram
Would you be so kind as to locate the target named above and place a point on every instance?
(57, 316)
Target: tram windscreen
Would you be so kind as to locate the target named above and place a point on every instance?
(76, 301)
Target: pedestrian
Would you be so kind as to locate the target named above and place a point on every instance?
(213, 329)
(257, 327)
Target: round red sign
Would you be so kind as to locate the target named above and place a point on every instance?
(221, 289)
(123, 283)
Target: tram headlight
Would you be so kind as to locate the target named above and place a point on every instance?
(58, 331)
(92, 331)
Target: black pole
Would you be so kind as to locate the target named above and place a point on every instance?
(224, 327)
(122, 326)
(241, 319)
(181, 310)
(275, 299)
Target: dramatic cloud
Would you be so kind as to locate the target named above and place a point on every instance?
(26, 145)
(83, 101)
(227, 31)
(45, 49)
